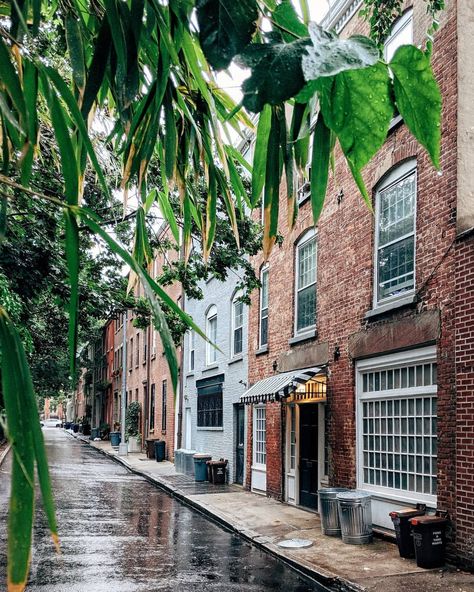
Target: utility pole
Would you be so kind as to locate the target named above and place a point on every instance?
(123, 446)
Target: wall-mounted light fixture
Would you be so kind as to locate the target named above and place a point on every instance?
(337, 353)
(275, 365)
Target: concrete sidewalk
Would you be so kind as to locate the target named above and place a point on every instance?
(264, 522)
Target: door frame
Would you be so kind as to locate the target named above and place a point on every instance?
(239, 408)
(294, 475)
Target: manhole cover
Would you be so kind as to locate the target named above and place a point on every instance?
(295, 544)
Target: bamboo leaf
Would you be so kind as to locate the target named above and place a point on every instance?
(272, 184)
(76, 51)
(12, 85)
(320, 166)
(167, 212)
(260, 154)
(30, 85)
(72, 257)
(96, 71)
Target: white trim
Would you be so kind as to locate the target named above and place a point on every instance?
(307, 237)
(399, 359)
(211, 352)
(398, 26)
(264, 270)
(398, 173)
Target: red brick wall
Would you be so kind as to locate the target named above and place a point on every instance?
(345, 272)
(465, 399)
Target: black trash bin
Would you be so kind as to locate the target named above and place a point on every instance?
(429, 537)
(159, 450)
(150, 448)
(217, 470)
(401, 523)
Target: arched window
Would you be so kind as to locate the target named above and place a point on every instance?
(400, 34)
(211, 333)
(237, 328)
(305, 283)
(395, 208)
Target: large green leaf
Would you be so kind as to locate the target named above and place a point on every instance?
(319, 166)
(225, 28)
(328, 55)
(260, 154)
(357, 106)
(288, 22)
(418, 97)
(276, 72)
(76, 51)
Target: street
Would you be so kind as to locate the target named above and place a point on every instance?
(120, 534)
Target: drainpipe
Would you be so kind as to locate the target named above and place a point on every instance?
(123, 447)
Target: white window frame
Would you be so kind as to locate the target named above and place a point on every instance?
(399, 359)
(255, 464)
(235, 327)
(191, 350)
(264, 270)
(211, 352)
(306, 238)
(405, 169)
(406, 20)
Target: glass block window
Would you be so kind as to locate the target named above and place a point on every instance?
(259, 441)
(398, 429)
(264, 308)
(237, 326)
(395, 269)
(305, 300)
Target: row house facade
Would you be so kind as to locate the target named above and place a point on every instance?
(361, 337)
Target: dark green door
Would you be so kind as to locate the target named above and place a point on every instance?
(309, 456)
(239, 444)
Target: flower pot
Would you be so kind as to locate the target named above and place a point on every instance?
(133, 444)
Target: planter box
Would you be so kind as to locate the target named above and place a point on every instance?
(133, 445)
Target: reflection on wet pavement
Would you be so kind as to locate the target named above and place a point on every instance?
(120, 534)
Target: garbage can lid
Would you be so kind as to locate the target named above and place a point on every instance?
(353, 494)
(427, 520)
(331, 491)
(406, 513)
(202, 455)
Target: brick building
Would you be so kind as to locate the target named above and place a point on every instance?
(360, 340)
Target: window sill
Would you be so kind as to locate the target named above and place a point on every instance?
(190, 374)
(262, 350)
(210, 367)
(153, 356)
(235, 359)
(210, 429)
(396, 121)
(163, 432)
(391, 306)
(303, 337)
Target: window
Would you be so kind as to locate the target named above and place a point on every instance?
(401, 34)
(237, 337)
(131, 353)
(145, 345)
(153, 342)
(211, 332)
(259, 437)
(397, 425)
(152, 407)
(292, 438)
(192, 350)
(164, 399)
(395, 234)
(137, 351)
(209, 402)
(264, 307)
(136, 395)
(305, 298)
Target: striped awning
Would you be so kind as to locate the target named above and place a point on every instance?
(278, 386)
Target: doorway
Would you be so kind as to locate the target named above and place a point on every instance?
(309, 456)
(239, 443)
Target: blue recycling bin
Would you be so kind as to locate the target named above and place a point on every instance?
(200, 466)
(115, 439)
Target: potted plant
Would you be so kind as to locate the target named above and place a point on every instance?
(132, 420)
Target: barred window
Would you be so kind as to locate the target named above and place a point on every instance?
(209, 413)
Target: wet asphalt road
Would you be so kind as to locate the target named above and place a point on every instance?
(120, 534)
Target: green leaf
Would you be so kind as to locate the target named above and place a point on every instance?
(328, 55)
(12, 85)
(225, 28)
(171, 137)
(260, 154)
(72, 258)
(319, 166)
(276, 72)
(358, 108)
(272, 186)
(167, 213)
(418, 97)
(97, 68)
(76, 51)
(30, 85)
(287, 20)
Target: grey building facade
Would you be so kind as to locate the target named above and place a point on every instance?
(213, 418)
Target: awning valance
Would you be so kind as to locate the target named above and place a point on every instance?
(278, 386)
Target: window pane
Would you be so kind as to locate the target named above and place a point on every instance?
(306, 306)
(307, 264)
(396, 268)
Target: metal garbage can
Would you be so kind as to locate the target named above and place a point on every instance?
(429, 537)
(328, 511)
(355, 516)
(150, 448)
(159, 450)
(95, 433)
(403, 530)
(115, 439)
(200, 466)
